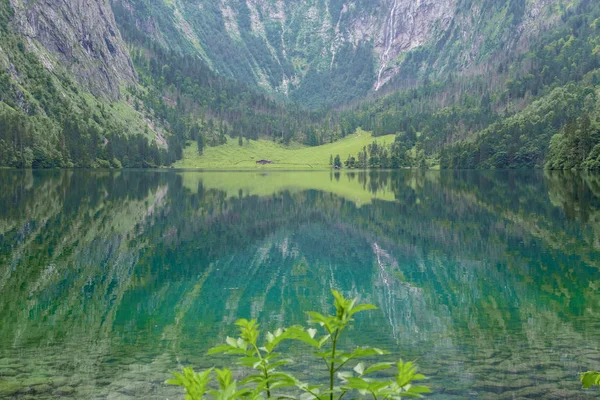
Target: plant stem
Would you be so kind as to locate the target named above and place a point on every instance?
(264, 368)
(267, 380)
(312, 393)
(332, 366)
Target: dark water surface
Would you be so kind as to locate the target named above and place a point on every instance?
(110, 280)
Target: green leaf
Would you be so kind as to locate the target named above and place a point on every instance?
(280, 384)
(323, 354)
(249, 361)
(297, 333)
(256, 378)
(378, 367)
(242, 344)
(362, 307)
(324, 340)
(378, 386)
(226, 349)
(361, 352)
(221, 349)
(339, 298)
(271, 367)
(194, 383)
(318, 318)
(359, 368)
(590, 378)
(248, 332)
(273, 339)
(419, 389)
(225, 377)
(407, 373)
(344, 375)
(357, 383)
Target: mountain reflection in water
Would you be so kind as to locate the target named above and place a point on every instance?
(111, 280)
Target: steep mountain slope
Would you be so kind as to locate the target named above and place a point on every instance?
(70, 94)
(62, 65)
(329, 52)
(537, 109)
(79, 35)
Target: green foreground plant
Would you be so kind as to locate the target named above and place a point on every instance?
(266, 378)
(590, 378)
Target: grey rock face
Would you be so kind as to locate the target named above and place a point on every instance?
(79, 35)
(407, 25)
(311, 34)
(295, 36)
(393, 26)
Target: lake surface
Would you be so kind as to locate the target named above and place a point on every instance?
(111, 280)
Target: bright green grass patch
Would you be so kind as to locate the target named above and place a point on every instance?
(131, 118)
(122, 112)
(233, 156)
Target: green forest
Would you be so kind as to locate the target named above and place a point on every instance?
(543, 113)
(536, 109)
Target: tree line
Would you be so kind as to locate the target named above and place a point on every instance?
(376, 155)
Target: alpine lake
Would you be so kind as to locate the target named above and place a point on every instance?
(112, 280)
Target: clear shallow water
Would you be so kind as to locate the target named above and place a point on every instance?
(109, 281)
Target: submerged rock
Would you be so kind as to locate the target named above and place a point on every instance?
(43, 388)
(64, 391)
(503, 386)
(9, 388)
(8, 372)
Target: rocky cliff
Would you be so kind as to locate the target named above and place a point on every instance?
(350, 46)
(79, 35)
(315, 52)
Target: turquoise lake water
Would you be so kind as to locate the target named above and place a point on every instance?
(111, 280)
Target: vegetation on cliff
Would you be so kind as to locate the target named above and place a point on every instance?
(536, 107)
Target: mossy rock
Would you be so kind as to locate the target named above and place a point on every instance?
(8, 372)
(10, 388)
(503, 386)
(64, 391)
(43, 388)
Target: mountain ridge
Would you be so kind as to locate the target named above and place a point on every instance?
(284, 47)
(131, 83)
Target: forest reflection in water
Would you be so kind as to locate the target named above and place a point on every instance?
(110, 280)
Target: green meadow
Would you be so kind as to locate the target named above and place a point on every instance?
(232, 156)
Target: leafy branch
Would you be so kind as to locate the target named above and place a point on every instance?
(265, 362)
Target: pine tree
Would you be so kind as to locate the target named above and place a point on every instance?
(337, 163)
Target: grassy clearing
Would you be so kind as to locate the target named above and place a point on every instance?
(232, 156)
(124, 113)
